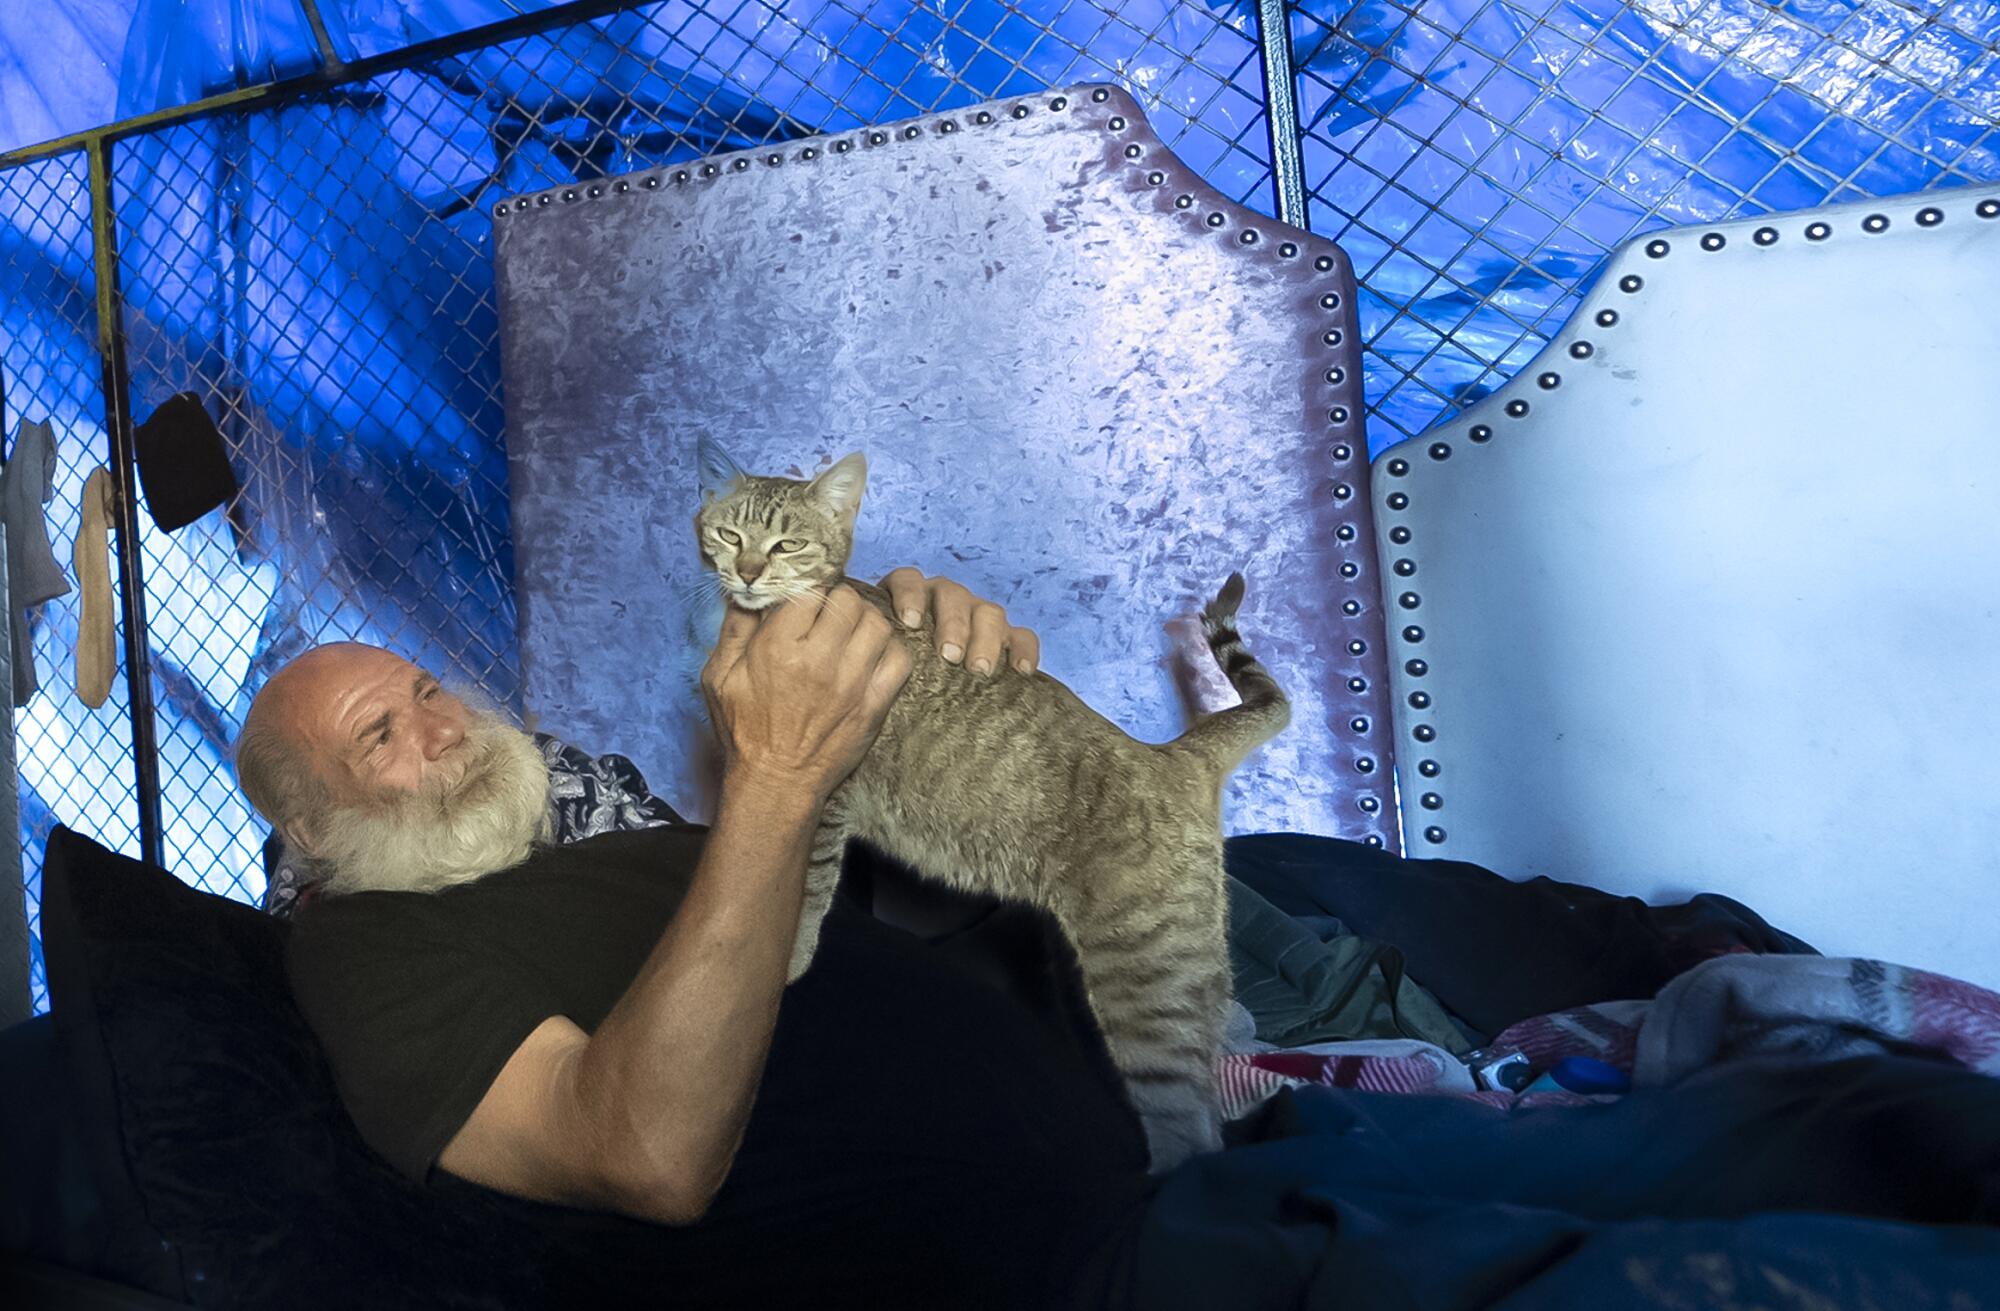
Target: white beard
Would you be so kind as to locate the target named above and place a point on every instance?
(487, 819)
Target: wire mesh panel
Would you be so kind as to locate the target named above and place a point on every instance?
(338, 330)
(1478, 159)
(75, 763)
(319, 276)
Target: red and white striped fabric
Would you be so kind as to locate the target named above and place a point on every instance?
(1249, 1079)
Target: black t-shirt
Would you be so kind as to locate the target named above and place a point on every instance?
(420, 998)
(923, 1134)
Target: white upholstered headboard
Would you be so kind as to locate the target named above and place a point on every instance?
(1708, 597)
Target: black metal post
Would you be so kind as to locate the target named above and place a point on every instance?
(123, 468)
(1281, 110)
(329, 58)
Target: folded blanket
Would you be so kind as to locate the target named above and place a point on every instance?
(1606, 1031)
(1804, 1008)
(1813, 1008)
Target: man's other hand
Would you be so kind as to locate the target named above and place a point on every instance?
(798, 693)
(968, 628)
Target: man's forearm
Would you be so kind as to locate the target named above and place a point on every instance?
(669, 1076)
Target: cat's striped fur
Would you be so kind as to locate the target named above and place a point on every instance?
(1011, 785)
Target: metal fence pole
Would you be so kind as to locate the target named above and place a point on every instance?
(17, 969)
(123, 468)
(329, 59)
(1281, 110)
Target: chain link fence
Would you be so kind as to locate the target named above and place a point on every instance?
(74, 763)
(316, 267)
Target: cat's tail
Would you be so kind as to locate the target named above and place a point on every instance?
(1227, 736)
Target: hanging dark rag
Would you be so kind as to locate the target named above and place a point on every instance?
(182, 464)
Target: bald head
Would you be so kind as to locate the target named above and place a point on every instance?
(272, 766)
(307, 677)
(361, 759)
(280, 754)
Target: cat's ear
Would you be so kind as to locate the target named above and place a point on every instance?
(839, 488)
(715, 470)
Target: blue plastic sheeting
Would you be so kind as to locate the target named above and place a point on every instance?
(360, 28)
(68, 65)
(58, 67)
(320, 273)
(178, 51)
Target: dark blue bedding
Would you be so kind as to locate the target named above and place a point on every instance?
(1859, 1184)
(1871, 1183)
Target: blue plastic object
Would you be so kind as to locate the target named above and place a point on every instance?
(1582, 1074)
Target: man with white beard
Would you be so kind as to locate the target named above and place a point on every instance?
(599, 1025)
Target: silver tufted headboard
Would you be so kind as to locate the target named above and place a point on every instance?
(1708, 598)
(1088, 386)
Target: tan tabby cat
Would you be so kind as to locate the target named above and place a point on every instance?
(1011, 785)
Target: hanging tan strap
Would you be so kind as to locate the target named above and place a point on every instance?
(96, 649)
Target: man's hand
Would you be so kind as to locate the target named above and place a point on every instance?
(967, 628)
(798, 693)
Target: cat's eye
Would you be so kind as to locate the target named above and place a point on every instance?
(728, 537)
(792, 544)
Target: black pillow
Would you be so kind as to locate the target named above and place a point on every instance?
(220, 1145)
